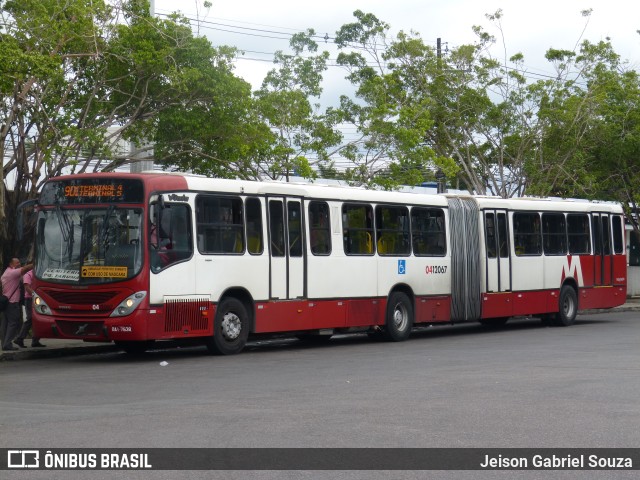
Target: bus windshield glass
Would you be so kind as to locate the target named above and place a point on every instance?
(88, 246)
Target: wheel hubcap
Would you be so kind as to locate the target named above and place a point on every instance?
(400, 317)
(231, 326)
(568, 308)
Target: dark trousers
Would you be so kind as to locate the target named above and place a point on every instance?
(10, 324)
(26, 326)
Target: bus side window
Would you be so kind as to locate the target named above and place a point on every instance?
(428, 232)
(526, 233)
(220, 224)
(294, 224)
(490, 232)
(392, 230)
(254, 226)
(554, 234)
(319, 224)
(276, 228)
(171, 241)
(579, 234)
(618, 234)
(606, 235)
(357, 226)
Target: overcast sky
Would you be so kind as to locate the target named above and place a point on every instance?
(260, 27)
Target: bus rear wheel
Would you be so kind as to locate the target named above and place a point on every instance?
(231, 328)
(568, 304)
(399, 317)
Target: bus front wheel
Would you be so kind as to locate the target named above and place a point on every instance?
(399, 317)
(568, 304)
(231, 328)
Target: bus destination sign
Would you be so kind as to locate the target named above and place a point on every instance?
(92, 190)
(108, 190)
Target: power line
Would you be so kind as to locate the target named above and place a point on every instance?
(277, 30)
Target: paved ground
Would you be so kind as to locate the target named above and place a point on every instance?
(63, 347)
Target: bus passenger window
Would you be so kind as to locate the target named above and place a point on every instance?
(276, 228)
(294, 224)
(392, 230)
(220, 224)
(428, 232)
(490, 234)
(554, 234)
(171, 241)
(579, 234)
(357, 229)
(527, 234)
(606, 236)
(618, 232)
(319, 228)
(503, 238)
(254, 226)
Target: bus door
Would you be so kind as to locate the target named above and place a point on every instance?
(498, 274)
(286, 249)
(602, 249)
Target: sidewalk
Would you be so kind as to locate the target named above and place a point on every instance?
(56, 347)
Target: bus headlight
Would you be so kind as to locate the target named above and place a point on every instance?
(40, 306)
(128, 305)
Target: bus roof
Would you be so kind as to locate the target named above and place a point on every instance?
(177, 181)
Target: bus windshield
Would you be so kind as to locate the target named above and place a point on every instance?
(88, 246)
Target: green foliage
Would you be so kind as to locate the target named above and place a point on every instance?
(301, 136)
(78, 78)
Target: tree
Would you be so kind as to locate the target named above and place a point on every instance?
(392, 121)
(79, 79)
(590, 145)
(301, 136)
(481, 120)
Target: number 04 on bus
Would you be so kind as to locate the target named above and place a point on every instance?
(138, 258)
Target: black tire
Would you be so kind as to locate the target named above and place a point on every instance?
(494, 322)
(230, 328)
(135, 348)
(399, 317)
(568, 307)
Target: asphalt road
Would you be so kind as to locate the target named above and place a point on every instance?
(467, 386)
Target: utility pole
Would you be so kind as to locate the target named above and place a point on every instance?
(440, 176)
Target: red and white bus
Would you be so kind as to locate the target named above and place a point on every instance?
(135, 258)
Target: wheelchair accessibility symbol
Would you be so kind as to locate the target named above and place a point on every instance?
(402, 267)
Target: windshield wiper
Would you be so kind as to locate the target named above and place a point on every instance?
(65, 225)
(105, 226)
(66, 228)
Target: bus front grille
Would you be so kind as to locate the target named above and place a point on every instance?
(81, 297)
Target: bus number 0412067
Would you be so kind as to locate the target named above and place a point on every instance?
(435, 269)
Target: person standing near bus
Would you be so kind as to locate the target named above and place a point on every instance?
(28, 302)
(11, 283)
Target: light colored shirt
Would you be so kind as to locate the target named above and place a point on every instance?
(11, 284)
(28, 277)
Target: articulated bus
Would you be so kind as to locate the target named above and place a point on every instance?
(138, 258)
